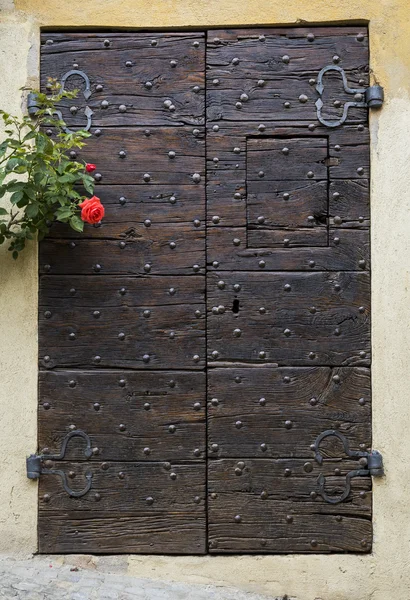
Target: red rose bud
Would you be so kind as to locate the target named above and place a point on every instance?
(92, 211)
(89, 167)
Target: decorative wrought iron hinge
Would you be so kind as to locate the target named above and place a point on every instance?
(35, 466)
(370, 97)
(371, 464)
(32, 106)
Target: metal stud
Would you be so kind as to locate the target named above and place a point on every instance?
(262, 401)
(287, 332)
(238, 424)
(238, 105)
(244, 97)
(285, 59)
(238, 518)
(336, 59)
(97, 177)
(286, 196)
(313, 401)
(286, 379)
(72, 383)
(360, 171)
(96, 406)
(196, 178)
(360, 37)
(46, 406)
(287, 287)
(215, 128)
(196, 358)
(147, 177)
(148, 85)
(221, 285)
(172, 429)
(262, 264)
(107, 43)
(147, 451)
(215, 354)
(310, 37)
(172, 245)
(172, 200)
(122, 154)
(362, 263)
(262, 310)
(287, 472)
(198, 314)
(261, 127)
(236, 242)
(286, 104)
(104, 104)
(122, 427)
(196, 268)
(215, 402)
(262, 354)
(235, 61)
(215, 219)
(336, 379)
(171, 154)
(288, 424)
(214, 447)
(312, 355)
(310, 174)
(303, 98)
(173, 63)
(237, 333)
(146, 358)
(237, 196)
(147, 268)
(121, 383)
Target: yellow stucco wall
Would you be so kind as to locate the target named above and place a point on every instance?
(386, 572)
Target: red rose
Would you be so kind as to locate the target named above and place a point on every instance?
(89, 167)
(92, 211)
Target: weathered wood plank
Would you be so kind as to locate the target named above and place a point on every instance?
(147, 160)
(77, 292)
(141, 252)
(132, 507)
(306, 318)
(348, 250)
(279, 412)
(158, 337)
(261, 510)
(128, 207)
(161, 414)
(138, 71)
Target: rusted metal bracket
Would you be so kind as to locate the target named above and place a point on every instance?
(35, 467)
(370, 97)
(371, 465)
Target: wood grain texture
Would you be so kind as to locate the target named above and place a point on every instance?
(164, 412)
(306, 319)
(123, 518)
(137, 70)
(263, 510)
(270, 412)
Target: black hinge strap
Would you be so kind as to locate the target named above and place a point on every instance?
(371, 463)
(35, 467)
(371, 97)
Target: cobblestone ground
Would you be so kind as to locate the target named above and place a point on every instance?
(81, 578)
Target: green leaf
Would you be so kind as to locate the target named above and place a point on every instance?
(32, 210)
(64, 212)
(76, 223)
(3, 211)
(3, 147)
(16, 186)
(16, 197)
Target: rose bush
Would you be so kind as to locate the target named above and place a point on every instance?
(39, 179)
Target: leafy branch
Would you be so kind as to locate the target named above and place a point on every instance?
(37, 176)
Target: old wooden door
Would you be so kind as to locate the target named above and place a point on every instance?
(280, 254)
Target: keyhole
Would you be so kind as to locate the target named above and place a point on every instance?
(235, 306)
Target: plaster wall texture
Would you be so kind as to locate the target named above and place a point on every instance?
(386, 572)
